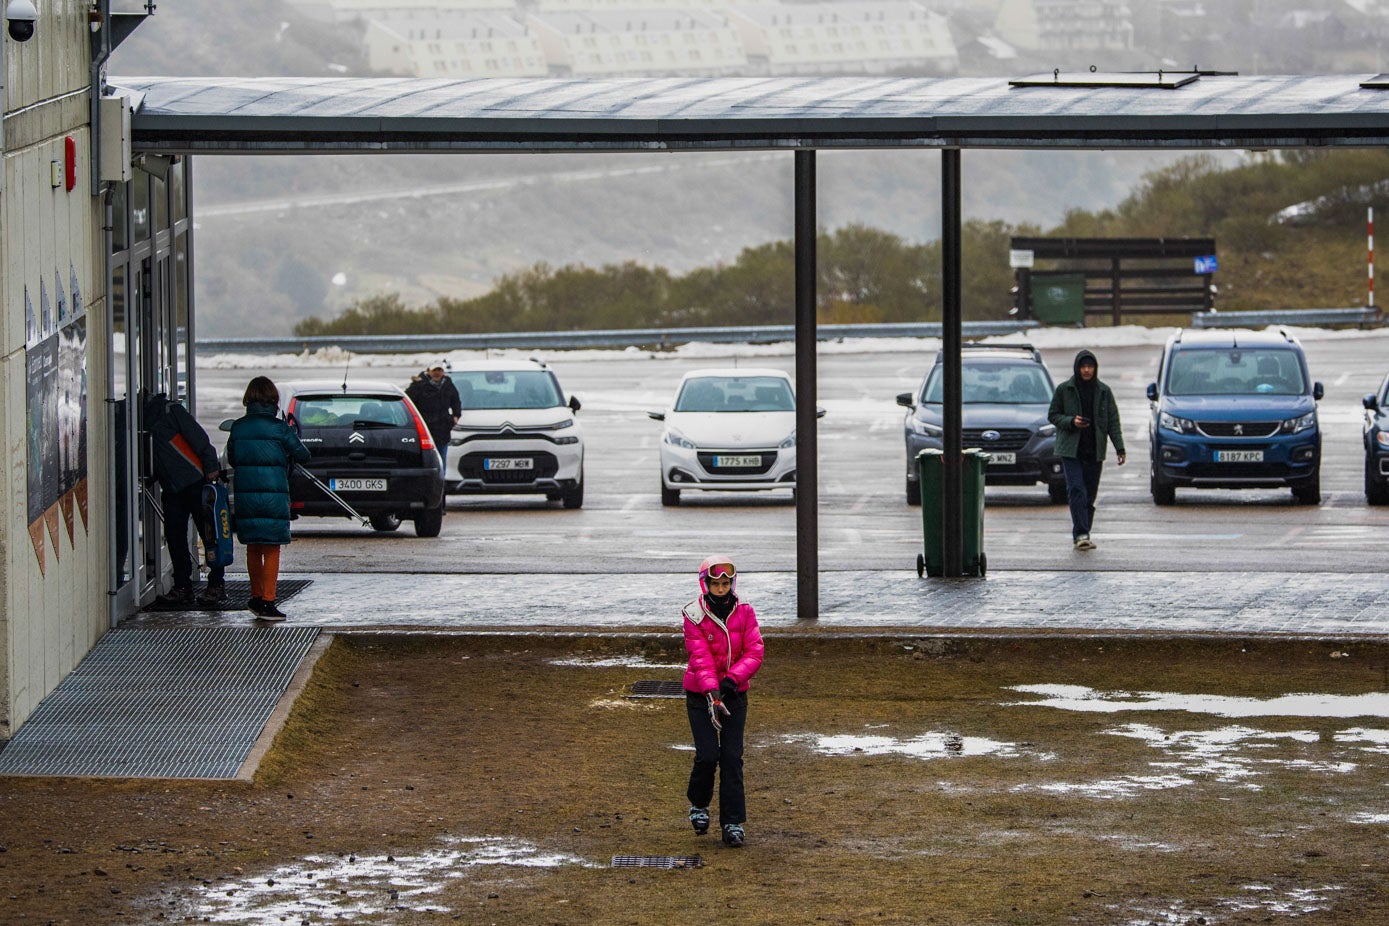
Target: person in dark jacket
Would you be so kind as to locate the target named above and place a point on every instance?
(1086, 419)
(260, 450)
(184, 461)
(436, 397)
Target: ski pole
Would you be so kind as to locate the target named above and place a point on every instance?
(333, 495)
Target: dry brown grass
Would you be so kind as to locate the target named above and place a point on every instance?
(403, 746)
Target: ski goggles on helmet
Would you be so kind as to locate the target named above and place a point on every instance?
(722, 571)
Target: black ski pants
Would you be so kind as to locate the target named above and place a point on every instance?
(179, 507)
(721, 753)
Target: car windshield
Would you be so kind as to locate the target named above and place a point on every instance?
(993, 384)
(736, 394)
(1238, 371)
(484, 389)
(351, 411)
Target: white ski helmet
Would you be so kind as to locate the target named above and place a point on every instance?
(721, 566)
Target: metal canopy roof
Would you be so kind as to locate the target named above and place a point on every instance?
(347, 115)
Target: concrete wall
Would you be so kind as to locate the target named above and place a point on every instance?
(53, 585)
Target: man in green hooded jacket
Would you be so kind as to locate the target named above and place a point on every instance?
(1086, 419)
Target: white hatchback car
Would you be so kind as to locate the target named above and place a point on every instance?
(516, 433)
(729, 430)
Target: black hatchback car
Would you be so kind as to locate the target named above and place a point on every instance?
(371, 447)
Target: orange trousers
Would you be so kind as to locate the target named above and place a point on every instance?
(263, 564)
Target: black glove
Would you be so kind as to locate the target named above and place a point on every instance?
(727, 689)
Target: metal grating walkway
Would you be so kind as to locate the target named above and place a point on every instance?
(648, 688)
(186, 703)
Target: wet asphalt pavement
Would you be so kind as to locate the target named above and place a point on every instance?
(851, 603)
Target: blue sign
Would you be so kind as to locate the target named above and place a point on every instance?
(1206, 264)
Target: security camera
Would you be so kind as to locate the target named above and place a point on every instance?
(22, 18)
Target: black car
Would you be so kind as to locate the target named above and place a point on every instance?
(1376, 439)
(1006, 392)
(371, 448)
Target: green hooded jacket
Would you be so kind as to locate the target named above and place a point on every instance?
(1065, 405)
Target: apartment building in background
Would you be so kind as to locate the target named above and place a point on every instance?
(845, 38)
(461, 44)
(1065, 25)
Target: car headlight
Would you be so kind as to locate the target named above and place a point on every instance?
(789, 442)
(1298, 425)
(676, 439)
(558, 425)
(1173, 423)
(925, 428)
(1046, 430)
(1382, 438)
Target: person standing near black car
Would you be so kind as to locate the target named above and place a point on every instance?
(1086, 419)
(436, 397)
(184, 461)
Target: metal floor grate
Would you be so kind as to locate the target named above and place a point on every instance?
(238, 595)
(647, 688)
(657, 861)
(186, 703)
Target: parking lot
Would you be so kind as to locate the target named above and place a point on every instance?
(865, 523)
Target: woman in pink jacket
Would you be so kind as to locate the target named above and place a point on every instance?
(725, 649)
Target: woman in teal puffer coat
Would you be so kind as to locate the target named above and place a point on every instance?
(260, 450)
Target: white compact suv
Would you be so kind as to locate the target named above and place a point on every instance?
(517, 434)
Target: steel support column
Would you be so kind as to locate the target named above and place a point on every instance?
(807, 456)
(952, 504)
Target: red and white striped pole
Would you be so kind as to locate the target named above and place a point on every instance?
(1370, 231)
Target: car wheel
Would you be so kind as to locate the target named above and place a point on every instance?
(429, 523)
(1308, 492)
(1375, 491)
(384, 522)
(1056, 491)
(1164, 492)
(573, 496)
(669, 497)
(913, 493)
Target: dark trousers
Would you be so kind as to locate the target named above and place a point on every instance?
(179, 507)
(718, 752)
(1082, 485)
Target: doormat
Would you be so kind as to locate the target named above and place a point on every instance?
(238, 596)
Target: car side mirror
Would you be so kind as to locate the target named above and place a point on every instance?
(1371, 403)
(819, 412)
(659, 416)
(1317, 391)
(574, 403)
(226, 424)
(1152, 392)
(904, 399)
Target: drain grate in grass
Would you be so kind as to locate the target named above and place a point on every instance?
(657, 861)
(648, 688)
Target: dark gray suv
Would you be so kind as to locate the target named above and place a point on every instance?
(1006, 391)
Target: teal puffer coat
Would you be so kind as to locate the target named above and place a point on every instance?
(259, 450)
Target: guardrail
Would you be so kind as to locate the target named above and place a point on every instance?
(1359, 316)
(622, 337)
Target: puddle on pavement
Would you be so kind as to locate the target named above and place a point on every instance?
(615, 662)
(926, 746)
(1260, 901)
(360, 889)
(1080, 698)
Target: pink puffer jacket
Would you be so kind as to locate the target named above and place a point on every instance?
(718, 649)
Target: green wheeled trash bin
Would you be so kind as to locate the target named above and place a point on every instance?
(930, 470)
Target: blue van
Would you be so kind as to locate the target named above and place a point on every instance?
(1234, 410)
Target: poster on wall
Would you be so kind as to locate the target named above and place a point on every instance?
(56, 394)
(72, 420)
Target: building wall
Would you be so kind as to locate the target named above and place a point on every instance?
(53, 581)
(486, 44)
(1066, 25)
